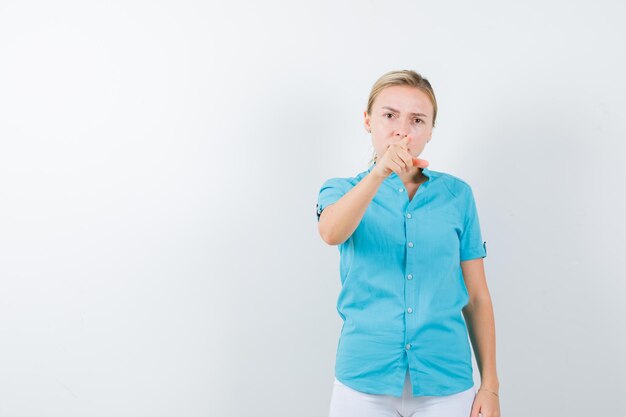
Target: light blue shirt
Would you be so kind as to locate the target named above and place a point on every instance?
(402, 286)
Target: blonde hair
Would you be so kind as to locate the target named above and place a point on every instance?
(404, 77)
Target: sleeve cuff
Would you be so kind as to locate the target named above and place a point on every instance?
(475, 252)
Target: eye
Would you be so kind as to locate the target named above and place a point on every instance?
(419, 121)
(388, 114)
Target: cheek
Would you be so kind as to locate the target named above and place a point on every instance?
(418, 143)
(422, 132)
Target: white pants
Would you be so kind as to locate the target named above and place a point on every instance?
(347, 402)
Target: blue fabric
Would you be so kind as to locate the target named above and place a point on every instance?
(402, 286)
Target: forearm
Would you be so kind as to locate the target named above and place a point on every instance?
(340, 219)
(481, 328)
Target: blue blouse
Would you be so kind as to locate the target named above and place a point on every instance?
(402, 286)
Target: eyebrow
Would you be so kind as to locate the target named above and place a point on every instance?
(398, 111)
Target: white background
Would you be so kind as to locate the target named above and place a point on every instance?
(159, 169)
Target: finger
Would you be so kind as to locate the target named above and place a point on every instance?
(404, 142)
(399, 166)
(406, 158)
(421, 163)
(399, 162)
(475, 409)
(400, 145)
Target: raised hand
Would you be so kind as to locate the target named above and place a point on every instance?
(397, 159)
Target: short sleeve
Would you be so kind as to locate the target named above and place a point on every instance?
(331, 191)
(472, 245)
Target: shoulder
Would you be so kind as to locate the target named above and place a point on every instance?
(344, 183)
(458, 187)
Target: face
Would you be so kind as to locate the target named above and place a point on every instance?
(398, 111)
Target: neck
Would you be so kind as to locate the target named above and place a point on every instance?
(414, 176)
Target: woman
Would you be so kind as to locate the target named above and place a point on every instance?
(412, 275)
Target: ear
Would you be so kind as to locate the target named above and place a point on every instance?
(366, 121)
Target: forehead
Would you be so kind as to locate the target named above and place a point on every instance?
(405, 99)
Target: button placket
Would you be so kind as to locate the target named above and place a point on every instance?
(410, 287)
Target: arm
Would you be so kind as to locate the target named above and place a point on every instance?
(339, 220)
(480, 321)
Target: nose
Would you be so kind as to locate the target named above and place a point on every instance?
(403, 128)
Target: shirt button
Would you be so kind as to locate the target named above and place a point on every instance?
(400, 190)
(410, 276)
(409, 310)
(410, 244)
(408, 215)
(408, 346)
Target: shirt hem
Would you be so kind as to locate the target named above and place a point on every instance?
(416, 393)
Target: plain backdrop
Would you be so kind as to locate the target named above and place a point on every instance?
(160, 163)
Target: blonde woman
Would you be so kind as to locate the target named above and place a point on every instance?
(411, 269)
